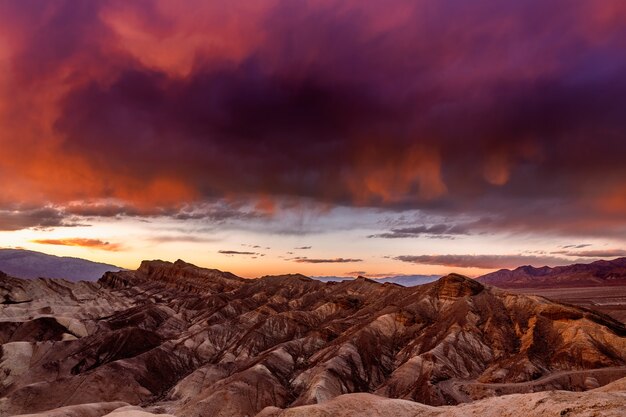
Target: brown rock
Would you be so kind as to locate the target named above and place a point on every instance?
(188, 341)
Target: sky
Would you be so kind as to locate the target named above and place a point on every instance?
(330, 137)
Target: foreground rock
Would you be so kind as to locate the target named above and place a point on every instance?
(181, 340)
(606, 403)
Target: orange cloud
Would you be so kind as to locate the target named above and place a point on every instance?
(497, 170)
(391, 177)
(224, 31)
(86, 243)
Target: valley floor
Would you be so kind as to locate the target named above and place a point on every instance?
(608, 300)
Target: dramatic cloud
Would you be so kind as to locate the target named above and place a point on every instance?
(484, 261)
(512, 110)
(37, 218)
(87, 243)
(326, 261)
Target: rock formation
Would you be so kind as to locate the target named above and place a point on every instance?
(172, 338)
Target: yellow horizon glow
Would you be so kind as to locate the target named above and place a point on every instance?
(138, 247)
(137, 239)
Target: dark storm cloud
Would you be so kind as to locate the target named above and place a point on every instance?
(271, 135)
(218, 212)
(487, 108)
(103, 210)
(42, 218)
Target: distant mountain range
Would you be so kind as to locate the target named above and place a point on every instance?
(28, 264)
(22, 263)
(404, 280)
(599, 273)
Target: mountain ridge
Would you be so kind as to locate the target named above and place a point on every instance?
(404, 280)
(192, 341)
(598, 273)
(27, 264)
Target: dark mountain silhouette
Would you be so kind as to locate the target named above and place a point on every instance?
(599, 273)
(30, 264)
(404, 280)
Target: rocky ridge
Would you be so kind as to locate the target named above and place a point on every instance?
(176, 339)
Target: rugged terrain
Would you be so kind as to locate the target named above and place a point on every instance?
(171, 338)
(600, 273)
(30, 264)
(600, 285)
